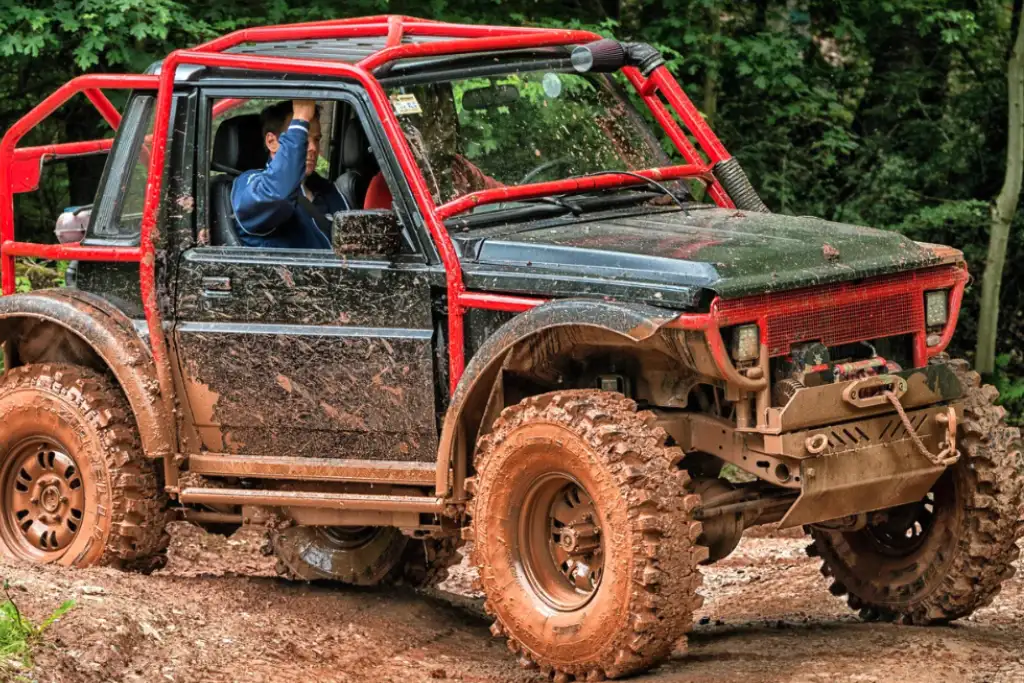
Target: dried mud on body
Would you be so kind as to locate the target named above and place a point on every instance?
(768, 616)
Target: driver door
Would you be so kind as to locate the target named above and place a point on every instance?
(287, 352)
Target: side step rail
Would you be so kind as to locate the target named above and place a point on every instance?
(311, 499)
(314, 469)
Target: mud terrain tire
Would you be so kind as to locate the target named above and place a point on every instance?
(74, 485)
(638, 600)
(361, 556)
(968, 551)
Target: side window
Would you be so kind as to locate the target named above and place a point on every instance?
(120, 199)
(340, 166)
(130, 214)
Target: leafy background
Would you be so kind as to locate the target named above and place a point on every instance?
(890, 114)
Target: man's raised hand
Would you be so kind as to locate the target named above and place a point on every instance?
(304, 110)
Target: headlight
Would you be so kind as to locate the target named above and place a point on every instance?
(746, 342)
(936, 308)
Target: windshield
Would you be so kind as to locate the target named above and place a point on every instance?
(519, 128)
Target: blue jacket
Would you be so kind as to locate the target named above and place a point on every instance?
(266, 201)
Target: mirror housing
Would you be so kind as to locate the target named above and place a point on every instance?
(369, 232)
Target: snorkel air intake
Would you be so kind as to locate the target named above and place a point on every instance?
(608, 56)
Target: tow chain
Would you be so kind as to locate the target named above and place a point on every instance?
(945, 457)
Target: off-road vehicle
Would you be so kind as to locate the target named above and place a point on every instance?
(546, 332)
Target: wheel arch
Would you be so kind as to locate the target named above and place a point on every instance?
(616, 324)
(71, 326)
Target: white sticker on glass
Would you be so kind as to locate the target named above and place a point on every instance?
(404, 105)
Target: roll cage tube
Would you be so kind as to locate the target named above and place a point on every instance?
(460, 39)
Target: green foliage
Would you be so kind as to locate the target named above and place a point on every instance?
(18, 634)
(1009, 380)
(35, 274)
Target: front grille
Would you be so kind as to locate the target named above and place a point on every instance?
(839, 313)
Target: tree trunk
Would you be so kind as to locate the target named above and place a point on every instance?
(1003, 209)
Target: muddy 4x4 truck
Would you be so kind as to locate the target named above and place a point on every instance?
(538, 335)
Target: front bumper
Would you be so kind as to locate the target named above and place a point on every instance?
(844, 456)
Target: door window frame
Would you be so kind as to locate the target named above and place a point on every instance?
(408, 216)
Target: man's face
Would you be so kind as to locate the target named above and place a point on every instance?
(312, 146)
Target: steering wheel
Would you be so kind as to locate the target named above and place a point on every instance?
(560, 161)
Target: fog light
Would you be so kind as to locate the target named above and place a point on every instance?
(936, 308)
(746, 342)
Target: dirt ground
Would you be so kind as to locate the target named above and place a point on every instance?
(767, 617)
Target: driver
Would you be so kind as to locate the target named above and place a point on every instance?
(286, 204)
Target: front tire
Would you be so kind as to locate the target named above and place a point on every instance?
(75, 488)
(582, 535)
(942, 558)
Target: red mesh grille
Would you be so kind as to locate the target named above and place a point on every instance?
(839, 313)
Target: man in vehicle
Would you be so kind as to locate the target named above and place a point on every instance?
(287, 204)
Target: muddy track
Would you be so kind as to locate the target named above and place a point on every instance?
(768, 616)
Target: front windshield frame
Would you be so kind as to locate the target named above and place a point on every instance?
(512, 194)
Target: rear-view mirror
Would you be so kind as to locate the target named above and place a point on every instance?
(490, 97)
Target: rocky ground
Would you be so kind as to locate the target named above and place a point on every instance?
(768, 617)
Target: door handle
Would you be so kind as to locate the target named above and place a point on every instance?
(216, 287)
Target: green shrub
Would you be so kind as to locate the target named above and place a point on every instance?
(18, 635)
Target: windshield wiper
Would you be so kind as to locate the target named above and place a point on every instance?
(554, 201)
(512, 214)
(650, 181)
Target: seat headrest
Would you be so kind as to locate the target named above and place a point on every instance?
(238, 145)
(355, 148)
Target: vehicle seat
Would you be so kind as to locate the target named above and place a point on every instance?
(378, 195)
(358, 161)
(237, 147)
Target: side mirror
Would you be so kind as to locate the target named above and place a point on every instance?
(371, 232)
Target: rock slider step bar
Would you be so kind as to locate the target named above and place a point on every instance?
(314, 469)
(313, 499)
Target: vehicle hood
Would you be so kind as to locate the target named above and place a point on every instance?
(728, 252)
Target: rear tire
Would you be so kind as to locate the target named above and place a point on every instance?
(582, 535)
(943, 558)
(361, 556)
(75, 488)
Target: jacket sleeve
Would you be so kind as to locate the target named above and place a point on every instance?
(264, 200)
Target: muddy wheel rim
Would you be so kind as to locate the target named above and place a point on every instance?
(44, 499)
(907, 527)
(560, 546)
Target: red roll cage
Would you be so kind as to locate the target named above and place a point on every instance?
(20, 167)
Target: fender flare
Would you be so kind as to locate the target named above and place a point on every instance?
(110, 334)
(633, 322)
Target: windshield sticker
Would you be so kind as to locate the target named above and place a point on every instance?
(405, 105)
(552, 85)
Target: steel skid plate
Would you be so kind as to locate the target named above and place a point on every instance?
(865, 465)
